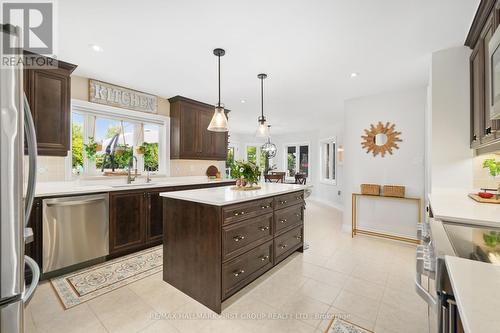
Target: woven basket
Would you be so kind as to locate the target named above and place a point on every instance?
(394, 191)
(370, 189)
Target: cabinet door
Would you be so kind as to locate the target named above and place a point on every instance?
(487, 126)
(189, 131)
(205, 137)
(154, 217)
(220, 146)
(48, 93)
(477, 96)
(126, 220)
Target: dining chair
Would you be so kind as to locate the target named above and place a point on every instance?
(300, 178)
(274, 178)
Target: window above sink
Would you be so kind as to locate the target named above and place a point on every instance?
(141, 135)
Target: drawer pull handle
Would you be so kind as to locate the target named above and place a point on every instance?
(265, 207)
(299, 197)
(283, 246)
(239, 213)
(297, 214)
(264, 258)
(298, 237)
(283, 202)
(238, 238)
(238, 273)
(264, 228)
(283, 221)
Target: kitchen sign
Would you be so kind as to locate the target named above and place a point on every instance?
(120, 97)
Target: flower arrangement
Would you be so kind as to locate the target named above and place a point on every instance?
(246, 173)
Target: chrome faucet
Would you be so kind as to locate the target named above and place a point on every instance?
(130, 179)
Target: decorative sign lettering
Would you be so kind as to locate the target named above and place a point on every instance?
(109, 94)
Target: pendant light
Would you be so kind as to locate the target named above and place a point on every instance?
(262, 130)
(219, 120)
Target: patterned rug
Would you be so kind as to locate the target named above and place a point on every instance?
(88, 283)
(338, 325)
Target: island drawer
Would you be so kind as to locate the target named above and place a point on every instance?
(287, 242)
(242, 236)
(288, 200)
(238, 212)
(288, 217)
(243, 269)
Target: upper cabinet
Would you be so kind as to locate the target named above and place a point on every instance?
(189, 137)
(48, 91)
(484, 131)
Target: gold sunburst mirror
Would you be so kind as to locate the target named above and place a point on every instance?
(381, 139)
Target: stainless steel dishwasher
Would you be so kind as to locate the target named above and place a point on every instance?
(75, 230)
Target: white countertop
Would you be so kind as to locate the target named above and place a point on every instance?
(476, 286)
(220, 196)
(456, 206)
(47, 189)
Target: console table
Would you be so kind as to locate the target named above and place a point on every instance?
(355, 229)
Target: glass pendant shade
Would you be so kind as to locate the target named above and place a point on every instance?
(262, 130)
(219, 120)
(269, 149)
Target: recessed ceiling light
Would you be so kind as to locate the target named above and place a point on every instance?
(243, 101)
(96, 48)
(354, 74)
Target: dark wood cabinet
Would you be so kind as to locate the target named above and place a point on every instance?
(189, 137)
(214, 251)
(48, 91)
(154, 217)
(126, 220)
(483, 131)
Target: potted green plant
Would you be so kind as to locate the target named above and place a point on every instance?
(246, 173)
(493, 167)
(90, 148)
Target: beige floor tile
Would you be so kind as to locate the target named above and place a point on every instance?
(122, 311)
(360, 306)
(371, 273)
(407, 299)
(320, 291)
(395, 318)
(328, 276)
(273, 293)
(80, 319)
(159, 326)
(341, 263)
(306, 309)
(364, 288)
(192, 317)
(285, 326)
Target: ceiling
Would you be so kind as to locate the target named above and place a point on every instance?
(307, 48)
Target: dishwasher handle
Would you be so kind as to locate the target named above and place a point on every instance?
(73, 203)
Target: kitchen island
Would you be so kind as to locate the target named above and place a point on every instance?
(218, 240)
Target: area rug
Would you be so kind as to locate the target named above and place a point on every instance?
(88, 283)
(338, 325)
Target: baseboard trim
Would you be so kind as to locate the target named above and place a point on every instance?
(335, 205)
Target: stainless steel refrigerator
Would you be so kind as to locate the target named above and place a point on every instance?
(16, 196)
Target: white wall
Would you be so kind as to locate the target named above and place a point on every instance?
(405, 167)
(325, 193)
(450, 156)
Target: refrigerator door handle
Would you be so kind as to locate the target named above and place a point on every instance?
(421, 291)
(28, 293)
(29, 128)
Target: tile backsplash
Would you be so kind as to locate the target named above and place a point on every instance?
(482, 178)
(49, 168)
(179, 168)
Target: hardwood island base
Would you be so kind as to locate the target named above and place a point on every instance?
(213, 250)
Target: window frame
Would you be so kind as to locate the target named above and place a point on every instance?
(258, 153)
(297, 158)
(333, 153)
(89, 110)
